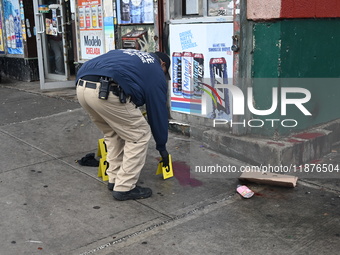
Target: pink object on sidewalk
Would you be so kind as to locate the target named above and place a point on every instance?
(244, 191)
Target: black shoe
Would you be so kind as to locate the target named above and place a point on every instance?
(136, 193)
(110, 186)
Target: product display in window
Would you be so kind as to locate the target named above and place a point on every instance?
(220, 7)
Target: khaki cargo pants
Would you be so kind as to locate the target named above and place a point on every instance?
(126, 134)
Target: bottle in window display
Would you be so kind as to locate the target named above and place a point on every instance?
(81, 17)
(12, 32)
(88, 16)
(125, 11)
(17, 28)
(100, 16)
(220, 7)
(136, 11)
(8, 34)
(94, 16)
(148, 11)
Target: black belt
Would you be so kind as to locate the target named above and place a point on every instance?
(96, 78)
(88, 84)
(93, 85)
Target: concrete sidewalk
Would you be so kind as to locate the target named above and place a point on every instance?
(52, 205)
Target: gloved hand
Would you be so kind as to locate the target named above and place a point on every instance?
(165, 158)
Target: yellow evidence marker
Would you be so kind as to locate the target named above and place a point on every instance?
(167, 171)
(103, 164)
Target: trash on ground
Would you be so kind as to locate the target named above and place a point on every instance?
(32, 241)
(88, 160)
(244, 191)
(269, 178)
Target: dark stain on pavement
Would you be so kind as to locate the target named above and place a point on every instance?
(182, 174)
(273, 193)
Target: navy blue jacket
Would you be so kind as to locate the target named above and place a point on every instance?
(141, 77)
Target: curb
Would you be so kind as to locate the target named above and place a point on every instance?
(296, 149)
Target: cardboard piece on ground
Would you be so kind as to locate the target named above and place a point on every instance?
(270, 178)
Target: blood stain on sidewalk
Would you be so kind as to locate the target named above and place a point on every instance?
(182, 174)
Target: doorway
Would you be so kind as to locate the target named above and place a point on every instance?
(54, 31)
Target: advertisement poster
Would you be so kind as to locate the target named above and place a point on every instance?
(50, 28)
(109, 34)
(2, 42)
(13, 27)
(135, 11)
(109, 26)
(91, 28)
(201, 59)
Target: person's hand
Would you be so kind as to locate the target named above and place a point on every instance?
(165, 158)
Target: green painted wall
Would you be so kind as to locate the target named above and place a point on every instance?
(297, 53)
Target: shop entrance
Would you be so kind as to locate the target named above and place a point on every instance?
(53, 19)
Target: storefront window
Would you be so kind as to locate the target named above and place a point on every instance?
(136, 24)
(184, 9)
(135, 11)
(220, 7)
